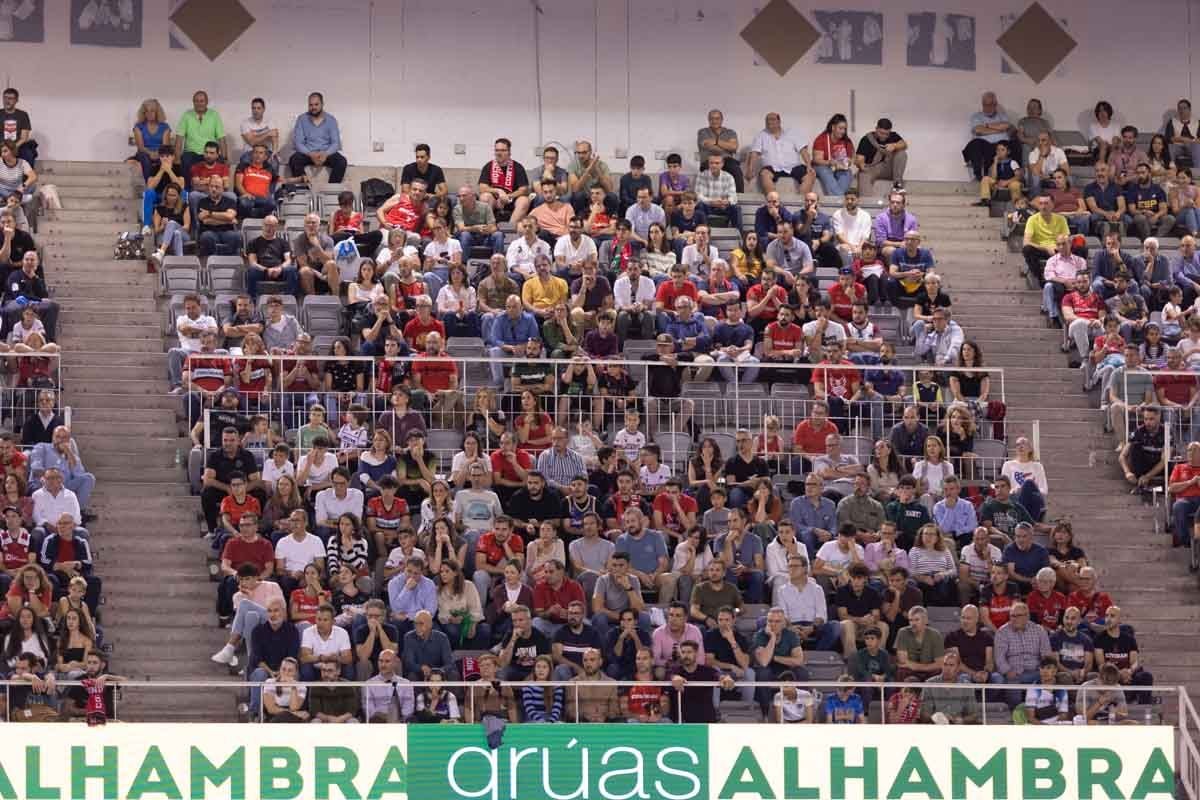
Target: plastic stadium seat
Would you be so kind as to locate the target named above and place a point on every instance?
(1131, 243)
(990, 455)
(1168, 243)
(780, 483)
(1069, 139)
(222, 307)
(321, 314)
(175, 309)
(726, 442)
(859, 446)
(675, 449)
(635, 349)
(224, 274)
(180, 278)
(444, 444)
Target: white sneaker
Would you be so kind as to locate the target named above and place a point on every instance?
(176, 390)
(224, 655)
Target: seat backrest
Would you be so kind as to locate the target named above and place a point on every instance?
(180, 279)
(675, 449)
(990, 455)
(289, 306)
(1069, 139)
(725, 442)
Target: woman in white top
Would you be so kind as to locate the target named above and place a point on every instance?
(884, 471)
(388, 259)
(439, 505)
(793, 704)
(366, 288)
(931, 471)
(933, 568)
(545, 548)
(1104, 133)
(460, 613)
(457, 305)
(443, 252)
(471, 454)
(692, 556)
(282, 701)
(1028, 478)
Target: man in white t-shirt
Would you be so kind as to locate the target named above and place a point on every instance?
(633, 295)
(338, 499)
(257, 129)
(325, 642)
(296, 551)
(699, 255)
(525, 249)
(851, 225)
(822, 331)
(572, 251)
(782, 156)
(189, 326)
(1043, 160)
(830, 568)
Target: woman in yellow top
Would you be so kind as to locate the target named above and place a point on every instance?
(747, 261)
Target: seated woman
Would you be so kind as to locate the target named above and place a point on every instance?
(75, 640)
(167, 174)
(931, 471)
(33, 371)
(542, 703)
(833, 157)
(771, 446)
(282, 697)
(172, 221)
(884, 471)
(438, 505)
(350, 547)
(457, 305)
(459, 611)
(150, 134)
(30, 589)
(1027, 473)
(362, 292)
(933, 568)
(706, 470)
(21, 337)
(541, 551)
(375, 463)
(960, 436)
(442, 543)
(506, 595)
(1066, 559)
(280, 505)
(471, 454)
(533, 426)
(305, 601)
(969, 384)
(28, 634)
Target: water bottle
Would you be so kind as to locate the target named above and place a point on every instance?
(178, 457)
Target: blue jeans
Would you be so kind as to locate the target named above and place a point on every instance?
(493, 240)
(212, 241)
(174, 237)
(1015, 697)
(732, 213)
(256, 275)
(466, 325)
(258, 675)
(1189, 218)
(150, 199)
(1183, 512)
(255, 207)
(826, 637)
(834, 182)
(751, 583)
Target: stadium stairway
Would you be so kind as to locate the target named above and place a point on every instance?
(1145, 576)
(158, 614)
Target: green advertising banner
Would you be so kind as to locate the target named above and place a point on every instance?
(585, 762)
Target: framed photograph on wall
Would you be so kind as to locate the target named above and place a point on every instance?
(23, 21)
(106, 23)
(941, 40)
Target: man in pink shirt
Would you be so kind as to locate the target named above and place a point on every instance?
(1060, 272)
(665, 640)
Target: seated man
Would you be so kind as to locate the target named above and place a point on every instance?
(318, 141)
(475, 223)
(1044, 159)
(17, 129)
(1125, 157)
(989, 126)
(504, 185)
(717, 193)
(1143, 457)
(28, 283)
(782, 156)
(408, 211)
(941, 343)
(1147, 204)
(803, 600)
(313, 251)
(255, 185)
(1116, 645)
(908, 266)
(892, 224)
(553, 216)
(200, 173)
(269, 258)
(1105, 202)
(881, 153)
(216, 220)
(585, 172)
(426, 649)
(66, 555)
(1061, 273)
(1082, 313)
(62, 454)
(421, 168)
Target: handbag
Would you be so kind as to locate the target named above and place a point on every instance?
(129, 247)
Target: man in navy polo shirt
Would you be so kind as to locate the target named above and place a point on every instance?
(1024, 556)
(1104, 200)
(1147, 204)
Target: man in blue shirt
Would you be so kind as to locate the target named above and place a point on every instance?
(1024, 556)
(814, 515)
(409, 593)
(647, 551)
(988, 126)
(908, 267)
(733, 342)
(510, 333)
(318, 142)
(767, 219)
(1104, 201)
(954, 515)
(1147, 204)
(815, 228)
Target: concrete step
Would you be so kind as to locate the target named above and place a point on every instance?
(81, 230)
(81, 318)
(95, 287)
(115, 183)
(70, 194)
(126, 305)
(128, 207)
(68, 217)
(110, 330)
(122, 402)
(111, 344)
(107, 169)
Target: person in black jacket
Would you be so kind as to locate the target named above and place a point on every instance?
(38, 427)
(64, 556)
(28, 287)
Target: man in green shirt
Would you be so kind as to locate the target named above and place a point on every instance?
(1041, 235)
(198, 126)
(999, 514)
(587, 170)
(919, 648)
(709, 596)
(956, 704)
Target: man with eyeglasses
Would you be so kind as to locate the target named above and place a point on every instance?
(245, 548)
(1019, 649)
(338, 499)
(504, 185)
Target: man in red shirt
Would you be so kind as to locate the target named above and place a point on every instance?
(205, 374)
(204, 169)
(809, 437)
(845, 293)
(493, 551)
(255, 183)
(14, 547)
(836, 381)
(1093, 605)
(417, 328)
(1082, 312)
(1046, 606)
(669, 291)
(1184, 485)
(783, 343)
(236, 505)
(437, 374)
(510, 467)
(408, 212)
(245, 548)
(551, 596)
(674, 512)
(763, 301)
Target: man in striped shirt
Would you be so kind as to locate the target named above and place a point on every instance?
(558, 463)
(1019, 649)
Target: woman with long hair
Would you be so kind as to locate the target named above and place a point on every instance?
(1066, 558)
(16, 495)
(542, 703)
(534, 427)
(172, 221)
(457, 304)
(1028, 479)
(435, 704)
(506, 595)
(833, 155)
(884, 471)
(1158, 155)
(282, 696)
(30, 589)
(747, 261)
(280, 505)
(1105, 132)
(75, 640)
(344, 379)
(306, 599)
(659, 256)
(692, 557)
(970, 383)
(486, 420)
(931, 471)
(349, 546)
(365, 288)
(459, 611)
(705, 470)
(150, 134)
(541, 551)
(438, 505)
(960, 438)
(471, 454)
(442, 542)
(375, 462)
(933, 568)
(28, 634)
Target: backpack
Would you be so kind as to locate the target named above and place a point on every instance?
(129, 247)
(375, 192)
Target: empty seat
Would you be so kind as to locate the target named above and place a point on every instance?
(990, 455)
(321, 314)
(859, 446)
(675, 449)
(1069, 139)
(224, 274)
(444, 443)
(180, 278)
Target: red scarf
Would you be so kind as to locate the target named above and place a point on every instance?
(503, 178)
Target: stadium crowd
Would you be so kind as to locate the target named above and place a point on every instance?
(373, 517)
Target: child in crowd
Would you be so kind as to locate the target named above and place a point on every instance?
(630, 439)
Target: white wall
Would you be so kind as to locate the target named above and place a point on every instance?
(638, 74)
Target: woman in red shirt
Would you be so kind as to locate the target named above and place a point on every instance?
(533, 426)
(346, 223)
(833, 153)
(306, 600)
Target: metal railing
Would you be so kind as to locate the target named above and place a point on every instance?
(23, 376)
(987, 698)
(1187, 760)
